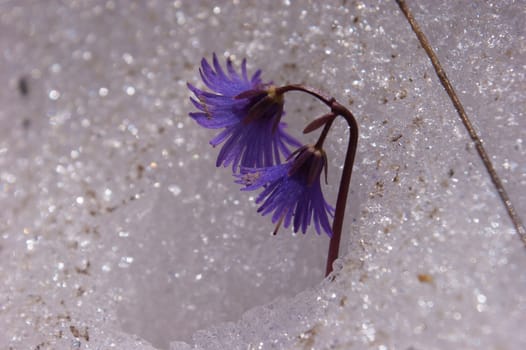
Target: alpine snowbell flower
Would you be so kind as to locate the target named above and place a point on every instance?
(292, 191)
(254, 139)
(248, 110)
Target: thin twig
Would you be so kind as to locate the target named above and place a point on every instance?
(521, 230)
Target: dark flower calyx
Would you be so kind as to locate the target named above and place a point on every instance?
(310, 161)
(268, 103)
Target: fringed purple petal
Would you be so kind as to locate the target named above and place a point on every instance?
(258, 141)
(256, 78)
(219, 138)
(289, 197)
(244, 69)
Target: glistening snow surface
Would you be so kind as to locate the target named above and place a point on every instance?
(117, 231)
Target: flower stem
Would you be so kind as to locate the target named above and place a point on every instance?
(323, 135)
(297, 87)
(345, 181)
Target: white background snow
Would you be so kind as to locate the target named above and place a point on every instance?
(117, 231)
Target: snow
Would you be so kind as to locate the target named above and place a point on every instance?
(117, 230)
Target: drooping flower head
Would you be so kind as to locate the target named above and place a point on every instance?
(249, 111)
(292, 191)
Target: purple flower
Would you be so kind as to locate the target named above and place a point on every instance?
(292, 191)
(248, 110)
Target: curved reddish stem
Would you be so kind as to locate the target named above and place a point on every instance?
(345, 181)
(341, 201)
